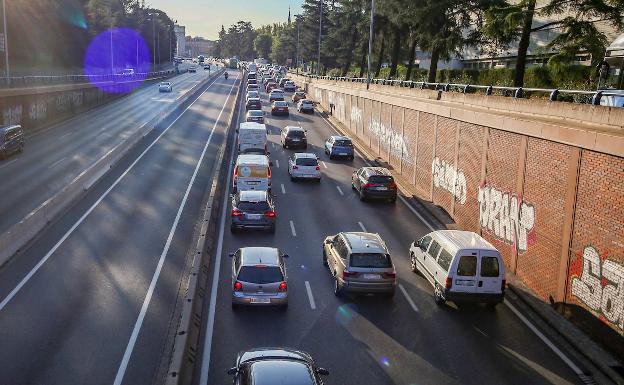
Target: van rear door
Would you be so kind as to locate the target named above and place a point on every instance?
(491, 272)
(465, 280)
(252, 177)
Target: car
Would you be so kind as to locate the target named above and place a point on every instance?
(192, 69)
(255, 116)
(276, 94)
(304, 165)
(259, 277)
(339, 146)
(252, 94)
(207, 68)
(252, 81)
(11, 140)
(252, 87)
(253, 209)
(270, 86)
(289, 86)
(374, 183)
(253, 104)
(293, 137)
(297, 96)
(269, 366)
(279, 107)
(282, 81)
(360, 263)
(165, 87)
(305, 105)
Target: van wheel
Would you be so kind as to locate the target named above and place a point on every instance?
(232, 229)
(337, 288)
(325, 258)
(437, 296)
(413, 264)
(235, 306)
(362, 196)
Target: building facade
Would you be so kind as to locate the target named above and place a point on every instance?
(180, 34)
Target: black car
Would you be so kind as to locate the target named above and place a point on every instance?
(294, 137)
(11, 140)
(253, 209)
(253, 104)
(270, 366)
(374, 183)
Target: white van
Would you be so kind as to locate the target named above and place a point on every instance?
(461, 266)
(252, 138)
(252, 172)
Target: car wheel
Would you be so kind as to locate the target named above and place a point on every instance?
(337, 288)
(362, 196)
(352, 185)
(292, 178)
(284, 307)
(232, 229)
(318, 180)
(437, 296)
(392, 200)
(235, 306)
(351, 158)
(325, 258)
(331, 156)
(413, 265)
(391, 294)
(272, 229)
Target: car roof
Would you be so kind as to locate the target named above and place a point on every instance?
(340, 137)
(455, 240)
(259, 256)
(305, 155)
(253, 196)
(10, 127)
(272, 353)
(293, 128)
(377, 171)
(271, 372)
(253, 159)
(360, 242)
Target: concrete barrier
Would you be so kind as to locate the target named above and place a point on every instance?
(20, 234)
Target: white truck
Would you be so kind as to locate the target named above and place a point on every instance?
(252, 138)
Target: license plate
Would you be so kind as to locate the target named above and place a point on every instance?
(295, 140)
(260, 300)
(343, 153)
(252, 183)
(253, 216)
(381, 188)
(371, 276)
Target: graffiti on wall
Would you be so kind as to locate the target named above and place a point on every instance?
(507, 217)
(356, 114)
(446, 176)
(12, 114)
(38, 110)
(387, 135)
(318, 95)
(601, 286)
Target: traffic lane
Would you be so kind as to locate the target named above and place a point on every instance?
(56, 155)
(74, 317)
(497, 351)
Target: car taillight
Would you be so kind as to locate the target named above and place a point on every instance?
(367, 185)
(392, 186)
(449, 282)
(283, 286)
(238, 286)
(503, 284)
(318, 168)
(295, 167)
(347, 274)
(389, 275)
(236, 213)
(269, 173)
(270, 214)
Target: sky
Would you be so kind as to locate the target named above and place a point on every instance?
(205, 17)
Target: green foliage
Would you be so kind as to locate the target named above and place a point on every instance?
(262, 45)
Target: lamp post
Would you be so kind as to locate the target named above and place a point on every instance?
(297, 54)
(153, 16)
(7, 70)
(370, 43)
(318, 59)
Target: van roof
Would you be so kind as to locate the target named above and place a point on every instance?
(252, 125)
(461, 240)
(261, 160)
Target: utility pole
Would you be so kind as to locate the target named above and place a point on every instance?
(7, 70)
(297, 55)
(153, 16)
(370, 43)
(318, 60)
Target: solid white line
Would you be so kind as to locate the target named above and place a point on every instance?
(205, 367)
(545, 339)
(292, 229)
(283, 189)
(340, 190)
(323, 163)
(277, 163)
(310, 296)
(43, 260)
(163, 256)
(408, 298)
(8, 163)
(57, 162)
(66, 135)
(362, 226)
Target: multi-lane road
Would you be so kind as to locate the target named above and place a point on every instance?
(93, 299)
(361, 339)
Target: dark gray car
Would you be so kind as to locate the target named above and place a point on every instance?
(11, 140)
(253, 209)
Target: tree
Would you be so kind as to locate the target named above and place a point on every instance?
(262, 45)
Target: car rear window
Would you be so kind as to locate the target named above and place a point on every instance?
(281, 104)
(371, 260)
(380, 179)
(260, 274)
(489, 267)
(467, 266)
(256, 113)
(296, 134)
(253, 206)
(344, 143)
(306, 162)
(308, 102)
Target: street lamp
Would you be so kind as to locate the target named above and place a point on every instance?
(370, 43)
(318, 60)
(153, 16)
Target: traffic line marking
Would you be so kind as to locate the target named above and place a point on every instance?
(292, 229)
(8, 163)
(310, 296)
(408, 298)
(66, 135)
(340, 190)
(362, 226)
(57, 162)
(323, 163)
(277, 163)
(283, 188)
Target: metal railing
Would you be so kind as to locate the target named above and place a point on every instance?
(42, 81)
(553, 94)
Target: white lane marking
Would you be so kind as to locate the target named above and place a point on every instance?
(57, 162)
(323, 163)
(8, 163)
(310, 296)
(277, 163)
(408, 298)
(43, 260)
(545, 339)
(283, 188)
(163, 256)
(339, 190)
(66, 135)
(292, 229)
(362, 226)
(205, 367)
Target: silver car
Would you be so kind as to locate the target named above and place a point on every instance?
(304, 165)
(259, 277)
(165, 87)
(360, 262)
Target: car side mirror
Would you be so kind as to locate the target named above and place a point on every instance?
(268, 152)
(231, 255)
(232, 371)
(285, 256)
(322, 371)
(271, 164)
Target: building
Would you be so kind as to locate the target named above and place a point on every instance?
(196, 46)
(180, 34)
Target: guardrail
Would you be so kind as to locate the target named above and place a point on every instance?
(42, 80)
(579, 96)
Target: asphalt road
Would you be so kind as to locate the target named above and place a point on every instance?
(362, 339)
(93, 299)
(55, 156)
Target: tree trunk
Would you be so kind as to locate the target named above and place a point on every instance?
(349, 57)
(433, 67)
(523, 45)
(380, 57)
(412, 55)
(396, 51)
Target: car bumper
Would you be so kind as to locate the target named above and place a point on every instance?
(474, 297)
(273, 300)
(305, 176)
(377, 194)
(280, 113)
(368, 287)
(341, 154)
(291, 144)
(252, 224)
(306, 109)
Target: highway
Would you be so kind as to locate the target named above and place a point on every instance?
(361, 339)
(94, 299)
(56, 155)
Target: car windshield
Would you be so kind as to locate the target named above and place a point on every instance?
(260, 274)
(306, 162)
(370, 260)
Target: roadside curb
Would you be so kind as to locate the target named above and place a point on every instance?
(20, 234)
(578, 340)
(186, 345)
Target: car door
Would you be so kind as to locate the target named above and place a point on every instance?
(491, 272)
(423, 246)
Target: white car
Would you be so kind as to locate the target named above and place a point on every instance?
(304, 165)
(165, 87)
(305, 105)
(276, 94)
(252, 95)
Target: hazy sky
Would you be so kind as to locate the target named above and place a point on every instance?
(204, 17)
